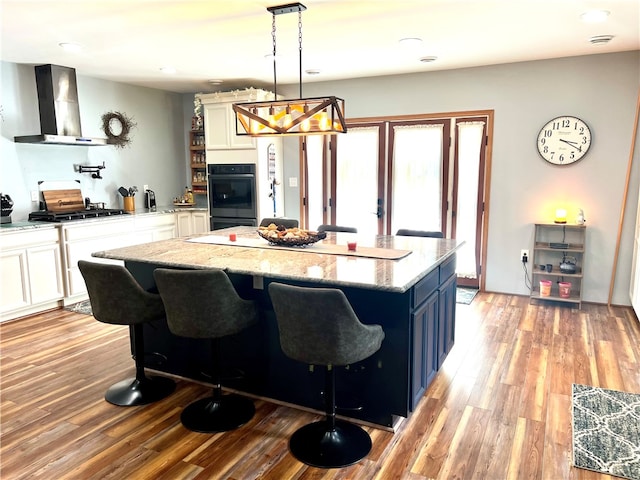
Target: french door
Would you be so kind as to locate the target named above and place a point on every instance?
(421, 173)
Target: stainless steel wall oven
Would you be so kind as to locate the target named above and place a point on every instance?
(232, 195)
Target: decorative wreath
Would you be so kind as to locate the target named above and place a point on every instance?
(126, 123)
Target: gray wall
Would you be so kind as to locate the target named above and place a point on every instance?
(156, 155)
(600, 89)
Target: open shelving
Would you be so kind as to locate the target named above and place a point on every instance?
(553, 243)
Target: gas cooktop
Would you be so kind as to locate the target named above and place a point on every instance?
(49, 216)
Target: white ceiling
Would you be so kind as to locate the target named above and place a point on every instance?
(128, 41)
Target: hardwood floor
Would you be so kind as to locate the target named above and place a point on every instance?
(499, 408)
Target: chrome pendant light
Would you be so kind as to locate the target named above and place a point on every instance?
(301, 116)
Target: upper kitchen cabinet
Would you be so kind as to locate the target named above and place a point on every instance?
(220, 120)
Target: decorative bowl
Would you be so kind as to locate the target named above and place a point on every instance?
(300, 241)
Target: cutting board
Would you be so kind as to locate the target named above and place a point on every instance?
(63, 200)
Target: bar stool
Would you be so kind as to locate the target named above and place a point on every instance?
(285, 222)
(419, 233)
(336, 228)
(319, 327)
(117, 298)
(205, 304)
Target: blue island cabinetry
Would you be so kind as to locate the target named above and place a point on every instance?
(413, 299)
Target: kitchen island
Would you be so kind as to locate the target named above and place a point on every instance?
(412, 297)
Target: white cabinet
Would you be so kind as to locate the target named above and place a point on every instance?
(192, 222)
(82, 239)
(200, 222)
(39, 266)
(220, 119)
(31, 272)
(152, 228)
(220, 129)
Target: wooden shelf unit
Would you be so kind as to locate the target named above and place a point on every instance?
(198, 162)
(567, 240)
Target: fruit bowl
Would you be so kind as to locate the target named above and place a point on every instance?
(291, 237)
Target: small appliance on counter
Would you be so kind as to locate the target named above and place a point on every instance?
(150, 200)
(7, 208)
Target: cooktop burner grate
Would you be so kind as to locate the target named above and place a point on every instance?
(48, 216)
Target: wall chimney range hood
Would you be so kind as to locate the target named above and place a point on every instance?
(59, 110)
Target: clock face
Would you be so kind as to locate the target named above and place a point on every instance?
(564, 140)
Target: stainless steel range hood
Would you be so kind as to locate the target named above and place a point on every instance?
(59, 110)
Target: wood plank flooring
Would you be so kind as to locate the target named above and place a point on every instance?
(498, 409)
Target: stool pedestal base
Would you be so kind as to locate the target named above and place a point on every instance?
(132, 391)
(210, 415)
(320, 446)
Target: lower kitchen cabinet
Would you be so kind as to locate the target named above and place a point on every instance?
(425, 329)
(39, 265)
(192, 222)
(154, 228)
(433, 323)
(81, 239)
(31, 272)
(446, 317)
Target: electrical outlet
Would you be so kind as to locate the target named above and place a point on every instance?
(34, 196)
(524, 256)
(145, 188)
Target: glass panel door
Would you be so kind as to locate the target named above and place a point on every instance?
(417, 193)
(468, 198)
(315, 195)
(357, 193)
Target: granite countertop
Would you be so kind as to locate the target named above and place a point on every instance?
(31, 225)
(296, 263)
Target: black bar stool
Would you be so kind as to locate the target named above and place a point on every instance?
(405, 232)
(117, 298)
(325, 227)
(318, 326)
(205, 304)
(285, 222)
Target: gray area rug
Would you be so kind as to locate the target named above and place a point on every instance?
(606, 431)
(80, 307)
(465, 295)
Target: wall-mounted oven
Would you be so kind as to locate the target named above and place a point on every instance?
(232, 195)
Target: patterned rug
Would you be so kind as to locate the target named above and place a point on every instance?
(465, 295)
(606, 431)
(80, 307)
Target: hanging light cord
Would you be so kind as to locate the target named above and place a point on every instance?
(273, 36)
(300, 50)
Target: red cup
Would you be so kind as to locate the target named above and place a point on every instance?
(232, 237)
(351, 246)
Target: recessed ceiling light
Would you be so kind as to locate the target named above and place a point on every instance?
(428, 59)
(312, 71)
(600, 39)
(168, 70)
(215, 81)
(410, 42)
(594, 16)
(70, 47)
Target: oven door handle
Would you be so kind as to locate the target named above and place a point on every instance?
(231, 176)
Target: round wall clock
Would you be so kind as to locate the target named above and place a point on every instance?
(564, 140)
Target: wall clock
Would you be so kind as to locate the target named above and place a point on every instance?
(564, 140)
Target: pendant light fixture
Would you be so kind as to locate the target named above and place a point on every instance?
(301, 116)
